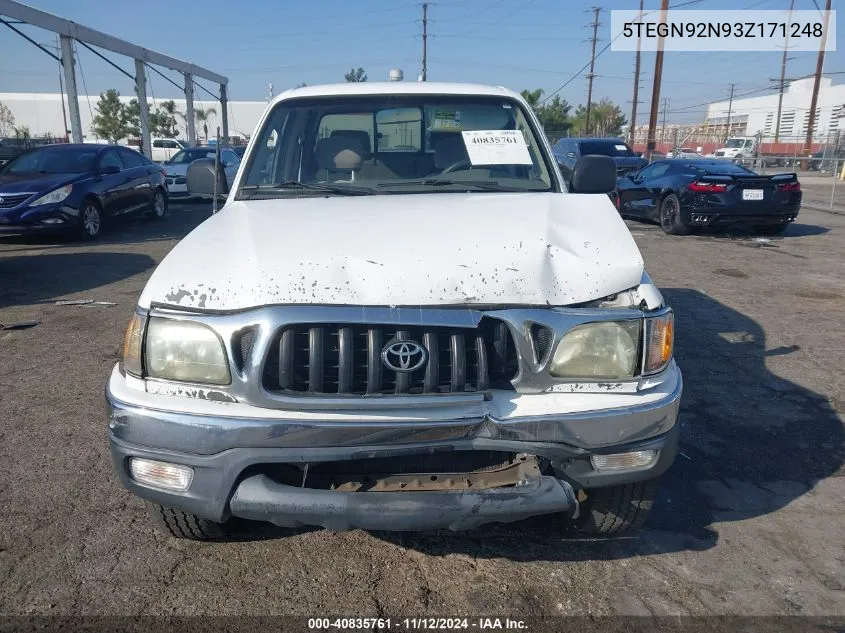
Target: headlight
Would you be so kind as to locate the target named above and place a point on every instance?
(57, 195)
(659, 341)
(132, 346)
(606, 350)
(186, 351)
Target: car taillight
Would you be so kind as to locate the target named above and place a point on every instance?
(707, 187)
(790, 186)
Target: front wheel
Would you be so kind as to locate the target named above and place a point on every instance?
(670, 216)
(186, 526)
(90, 221)
(616, 509)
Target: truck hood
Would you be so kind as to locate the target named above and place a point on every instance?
(419, 250)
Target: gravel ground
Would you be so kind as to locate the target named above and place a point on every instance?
(749, 520)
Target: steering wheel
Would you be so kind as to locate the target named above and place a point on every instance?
(464, 162)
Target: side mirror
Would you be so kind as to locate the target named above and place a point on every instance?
(109, 169)
(200, 178)
(593, 174)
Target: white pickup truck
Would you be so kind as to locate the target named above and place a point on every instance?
(400, 319)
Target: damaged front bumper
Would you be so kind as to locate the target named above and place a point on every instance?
(234, 455)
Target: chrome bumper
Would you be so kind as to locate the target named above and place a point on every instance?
(220, 448)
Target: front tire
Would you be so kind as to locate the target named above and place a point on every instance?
(616, 509)
(90, 221)
(185, 526)
(158, 208)
(670, 216)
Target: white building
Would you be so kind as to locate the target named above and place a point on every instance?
(754, 115)
(42, 114)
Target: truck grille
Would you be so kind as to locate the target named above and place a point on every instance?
(346, 359)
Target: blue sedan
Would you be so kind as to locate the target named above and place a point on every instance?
(75, 188)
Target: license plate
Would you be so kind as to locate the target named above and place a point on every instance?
(752, 194)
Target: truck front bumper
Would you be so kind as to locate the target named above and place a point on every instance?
(230, 458)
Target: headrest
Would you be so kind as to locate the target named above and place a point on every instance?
(362, 136)
(339, 152)
(449, 150)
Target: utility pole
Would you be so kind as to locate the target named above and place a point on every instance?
(808, 144)
(730, 107)
(636, 80)
(783, 70)
(663, 122)
(655, 91)
(425, 39)
(595, 25)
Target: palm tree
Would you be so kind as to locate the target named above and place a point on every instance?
(204, 116)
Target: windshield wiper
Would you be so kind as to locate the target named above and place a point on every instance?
(491, 185)
(335, 188)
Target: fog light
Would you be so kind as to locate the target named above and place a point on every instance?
(161, 474)
(624, 461)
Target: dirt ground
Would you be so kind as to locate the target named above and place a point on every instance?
(749, 520)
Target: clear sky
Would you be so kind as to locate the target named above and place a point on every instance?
(515, 43)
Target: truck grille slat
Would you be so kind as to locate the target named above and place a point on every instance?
(315, 359)
(458, 362)
(346, 359)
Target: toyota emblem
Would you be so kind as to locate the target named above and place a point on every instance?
(403, 356)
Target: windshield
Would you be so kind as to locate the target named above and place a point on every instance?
(736, 142)
(187, 156)
(605, 148)
(53, 160)
(395, 144)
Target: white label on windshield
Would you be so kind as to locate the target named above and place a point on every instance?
(621, 148)
(496, 147)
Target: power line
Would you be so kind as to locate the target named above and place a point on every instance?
(82, 76)
(424, 39)
(587, 65)
(636, 81)
(595, 24)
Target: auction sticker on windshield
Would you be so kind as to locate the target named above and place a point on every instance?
(496, 147)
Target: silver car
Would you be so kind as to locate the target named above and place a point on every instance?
(177, 167)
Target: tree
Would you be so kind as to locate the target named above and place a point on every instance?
(204, 116)
(22, 132)
(553, 115)
(132, 115)
(606, 119)
(533, 97)
(110, 122)
(356, 75)
(301, 85)
(165, 119)
(7, 120)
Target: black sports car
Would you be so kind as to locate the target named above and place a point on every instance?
(75, 187)
(684, 194)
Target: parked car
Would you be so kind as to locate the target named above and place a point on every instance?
(683, 152)
(437, 336)
(177, 167)
(76, 187)
(12, 147)
(163, 149)
(568, 150)
(682, 195)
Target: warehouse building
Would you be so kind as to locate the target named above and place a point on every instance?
(758, 115)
